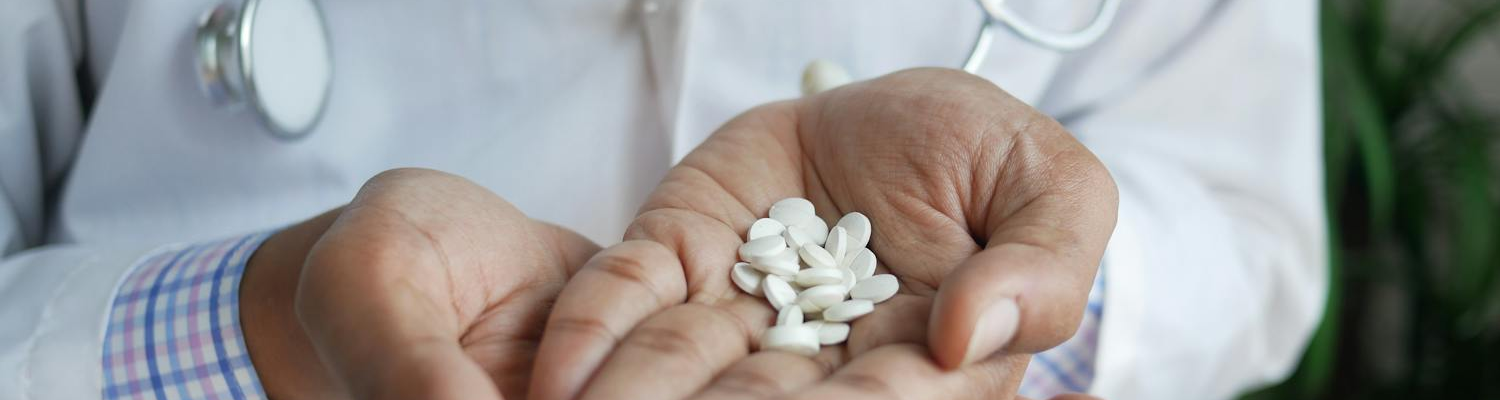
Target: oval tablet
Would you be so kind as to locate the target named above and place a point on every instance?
(848, 310)
(859, 229)
(778, 292)
(862, 263)
(848, 279)
(820, 297)
(876, 289)
(789, 316)
(795, 339)
(796, 238)
(748, 279)
(792, 211)
(837, 244)
(820, 276)
(784, 263)
(815, 229)
(764, 227)
(762, 247)
(816, 257)
(831, 333)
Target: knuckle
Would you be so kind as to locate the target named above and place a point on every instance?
(874, 387)
(624, 263)
(666, 342)
(688, 332)
(747, 384)
(591, 328)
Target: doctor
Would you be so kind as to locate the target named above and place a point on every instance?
(135, 212)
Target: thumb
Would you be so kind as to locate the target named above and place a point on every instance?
(1016, 297)
(1026, 291)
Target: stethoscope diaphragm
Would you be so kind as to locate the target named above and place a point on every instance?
(270, 54)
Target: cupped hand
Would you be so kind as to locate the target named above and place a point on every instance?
(426, 286)
(993, 217)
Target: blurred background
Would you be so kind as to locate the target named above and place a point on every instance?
(1412, 110)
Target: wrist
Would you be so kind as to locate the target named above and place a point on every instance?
(279, 349)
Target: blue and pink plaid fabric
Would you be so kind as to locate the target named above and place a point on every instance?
(174, 327)
(1069, 367)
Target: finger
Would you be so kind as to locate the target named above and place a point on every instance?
(769, 374)
(401, 342)
(668, 254)
(677, 351)
(1026, 291)
(904, 371)
(901, 319)
(615, 290)
(571, 248)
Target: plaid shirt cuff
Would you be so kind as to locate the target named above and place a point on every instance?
(174, 327)
(1069, 367)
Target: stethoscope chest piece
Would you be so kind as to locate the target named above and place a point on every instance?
(270, 54)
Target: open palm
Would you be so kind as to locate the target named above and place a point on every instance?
(993, 217)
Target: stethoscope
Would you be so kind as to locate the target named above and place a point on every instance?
(821, 75)
(274, 56)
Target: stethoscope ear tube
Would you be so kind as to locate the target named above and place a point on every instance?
(996, 15)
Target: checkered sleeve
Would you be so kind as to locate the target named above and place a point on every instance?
(1069, 367)
(174, 328)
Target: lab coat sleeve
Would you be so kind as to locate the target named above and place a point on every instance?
(53, 299)
(1217, 269)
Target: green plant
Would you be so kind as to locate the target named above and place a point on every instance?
(1412, 203)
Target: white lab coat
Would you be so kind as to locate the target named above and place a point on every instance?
(1206, 112)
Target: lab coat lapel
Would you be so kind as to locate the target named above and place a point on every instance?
(665, 23)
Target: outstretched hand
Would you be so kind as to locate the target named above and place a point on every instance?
(991, 214)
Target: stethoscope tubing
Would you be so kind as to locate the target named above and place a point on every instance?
(996, 15)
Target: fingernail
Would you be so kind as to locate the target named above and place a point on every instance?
(995, 327)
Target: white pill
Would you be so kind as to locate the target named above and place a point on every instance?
(778, 292)
(847, 278)
(795, 339)
(858, 227)
(831, 333)
(820, 276)
(784, 263)
(862, 263)
(848, 310)
(789, 316)
(816, 257)
(817, 298)
(765, 227)
(792, 211)
(796, 238)
(876, 289)
(762, 247)
(748, 279)
(815, 229)
(837, 244)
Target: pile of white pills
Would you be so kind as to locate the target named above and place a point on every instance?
(817, 279)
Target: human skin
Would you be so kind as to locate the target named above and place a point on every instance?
(991, 214)
(428, 286)
(424, 286)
